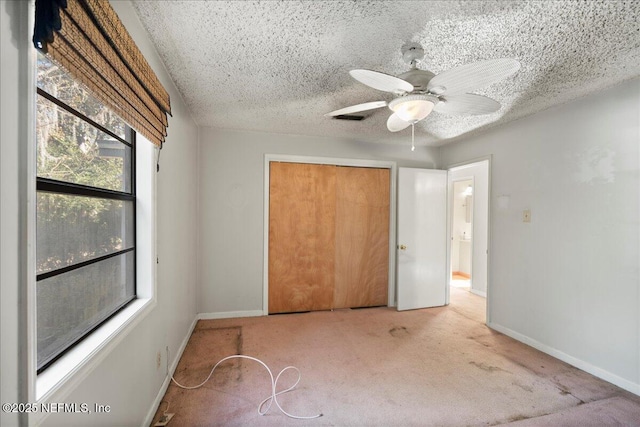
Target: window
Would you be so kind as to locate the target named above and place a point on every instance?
(85, 213)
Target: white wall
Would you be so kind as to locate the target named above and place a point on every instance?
(232, 198)
(127, 378)
(569, 281)
(12, 131)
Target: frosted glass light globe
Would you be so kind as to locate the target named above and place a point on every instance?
(412, 108)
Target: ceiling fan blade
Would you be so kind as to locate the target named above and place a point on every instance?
(470, 77)
(356, 108)
(381, 81)
(395, 123)
(466, 104)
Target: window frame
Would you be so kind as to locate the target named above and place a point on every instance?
(66, 374)
(52, 186)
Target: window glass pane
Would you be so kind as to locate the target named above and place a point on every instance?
(72, 229)
(71, 150)
(54, 80)
(71, 304)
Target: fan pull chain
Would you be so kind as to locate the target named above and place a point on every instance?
(413, 135)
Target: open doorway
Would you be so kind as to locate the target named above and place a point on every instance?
(469, 234)
(461, 234)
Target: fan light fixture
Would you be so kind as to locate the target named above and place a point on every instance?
(417, 92)
(413, 108)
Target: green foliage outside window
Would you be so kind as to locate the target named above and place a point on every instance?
(71, 228)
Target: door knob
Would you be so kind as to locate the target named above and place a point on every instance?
(402, 247)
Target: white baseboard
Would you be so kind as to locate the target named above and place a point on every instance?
(574, 361)
(167, 380)
(479, 293)
(230, 314)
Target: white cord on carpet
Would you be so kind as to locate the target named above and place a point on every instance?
(274, 383)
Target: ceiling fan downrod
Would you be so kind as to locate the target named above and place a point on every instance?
(413, 136)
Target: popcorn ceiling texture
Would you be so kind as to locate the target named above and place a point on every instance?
(279, 66)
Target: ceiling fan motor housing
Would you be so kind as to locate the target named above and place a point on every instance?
(418, 78)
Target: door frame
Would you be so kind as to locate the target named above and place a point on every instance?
(379, 164)
(489, 295)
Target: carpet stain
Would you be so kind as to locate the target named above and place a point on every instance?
(477, 339)
(399, 331)
(523, 386)
(512, 419)
(486, 367)
(208, 344)
(565, 391)
(518, 418)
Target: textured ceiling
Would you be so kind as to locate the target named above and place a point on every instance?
(279, 66)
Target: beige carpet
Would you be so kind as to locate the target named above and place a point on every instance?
(380, 367)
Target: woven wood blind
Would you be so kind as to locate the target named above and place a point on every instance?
(93, 45)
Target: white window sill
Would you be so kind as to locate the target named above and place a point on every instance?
(63, 375)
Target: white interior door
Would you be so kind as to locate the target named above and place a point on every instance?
(422, 238)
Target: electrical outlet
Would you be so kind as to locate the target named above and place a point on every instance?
(164, 420)
(526, 215)
(158, 360)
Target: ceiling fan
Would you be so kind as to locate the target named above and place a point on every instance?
(419, 92)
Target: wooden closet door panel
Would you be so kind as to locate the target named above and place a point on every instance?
(301, 237)
(362, 237)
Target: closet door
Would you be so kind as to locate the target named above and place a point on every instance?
(302, 209)
(362, 237)
(328, 237)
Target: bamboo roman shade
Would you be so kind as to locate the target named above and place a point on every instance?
(93, 45)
